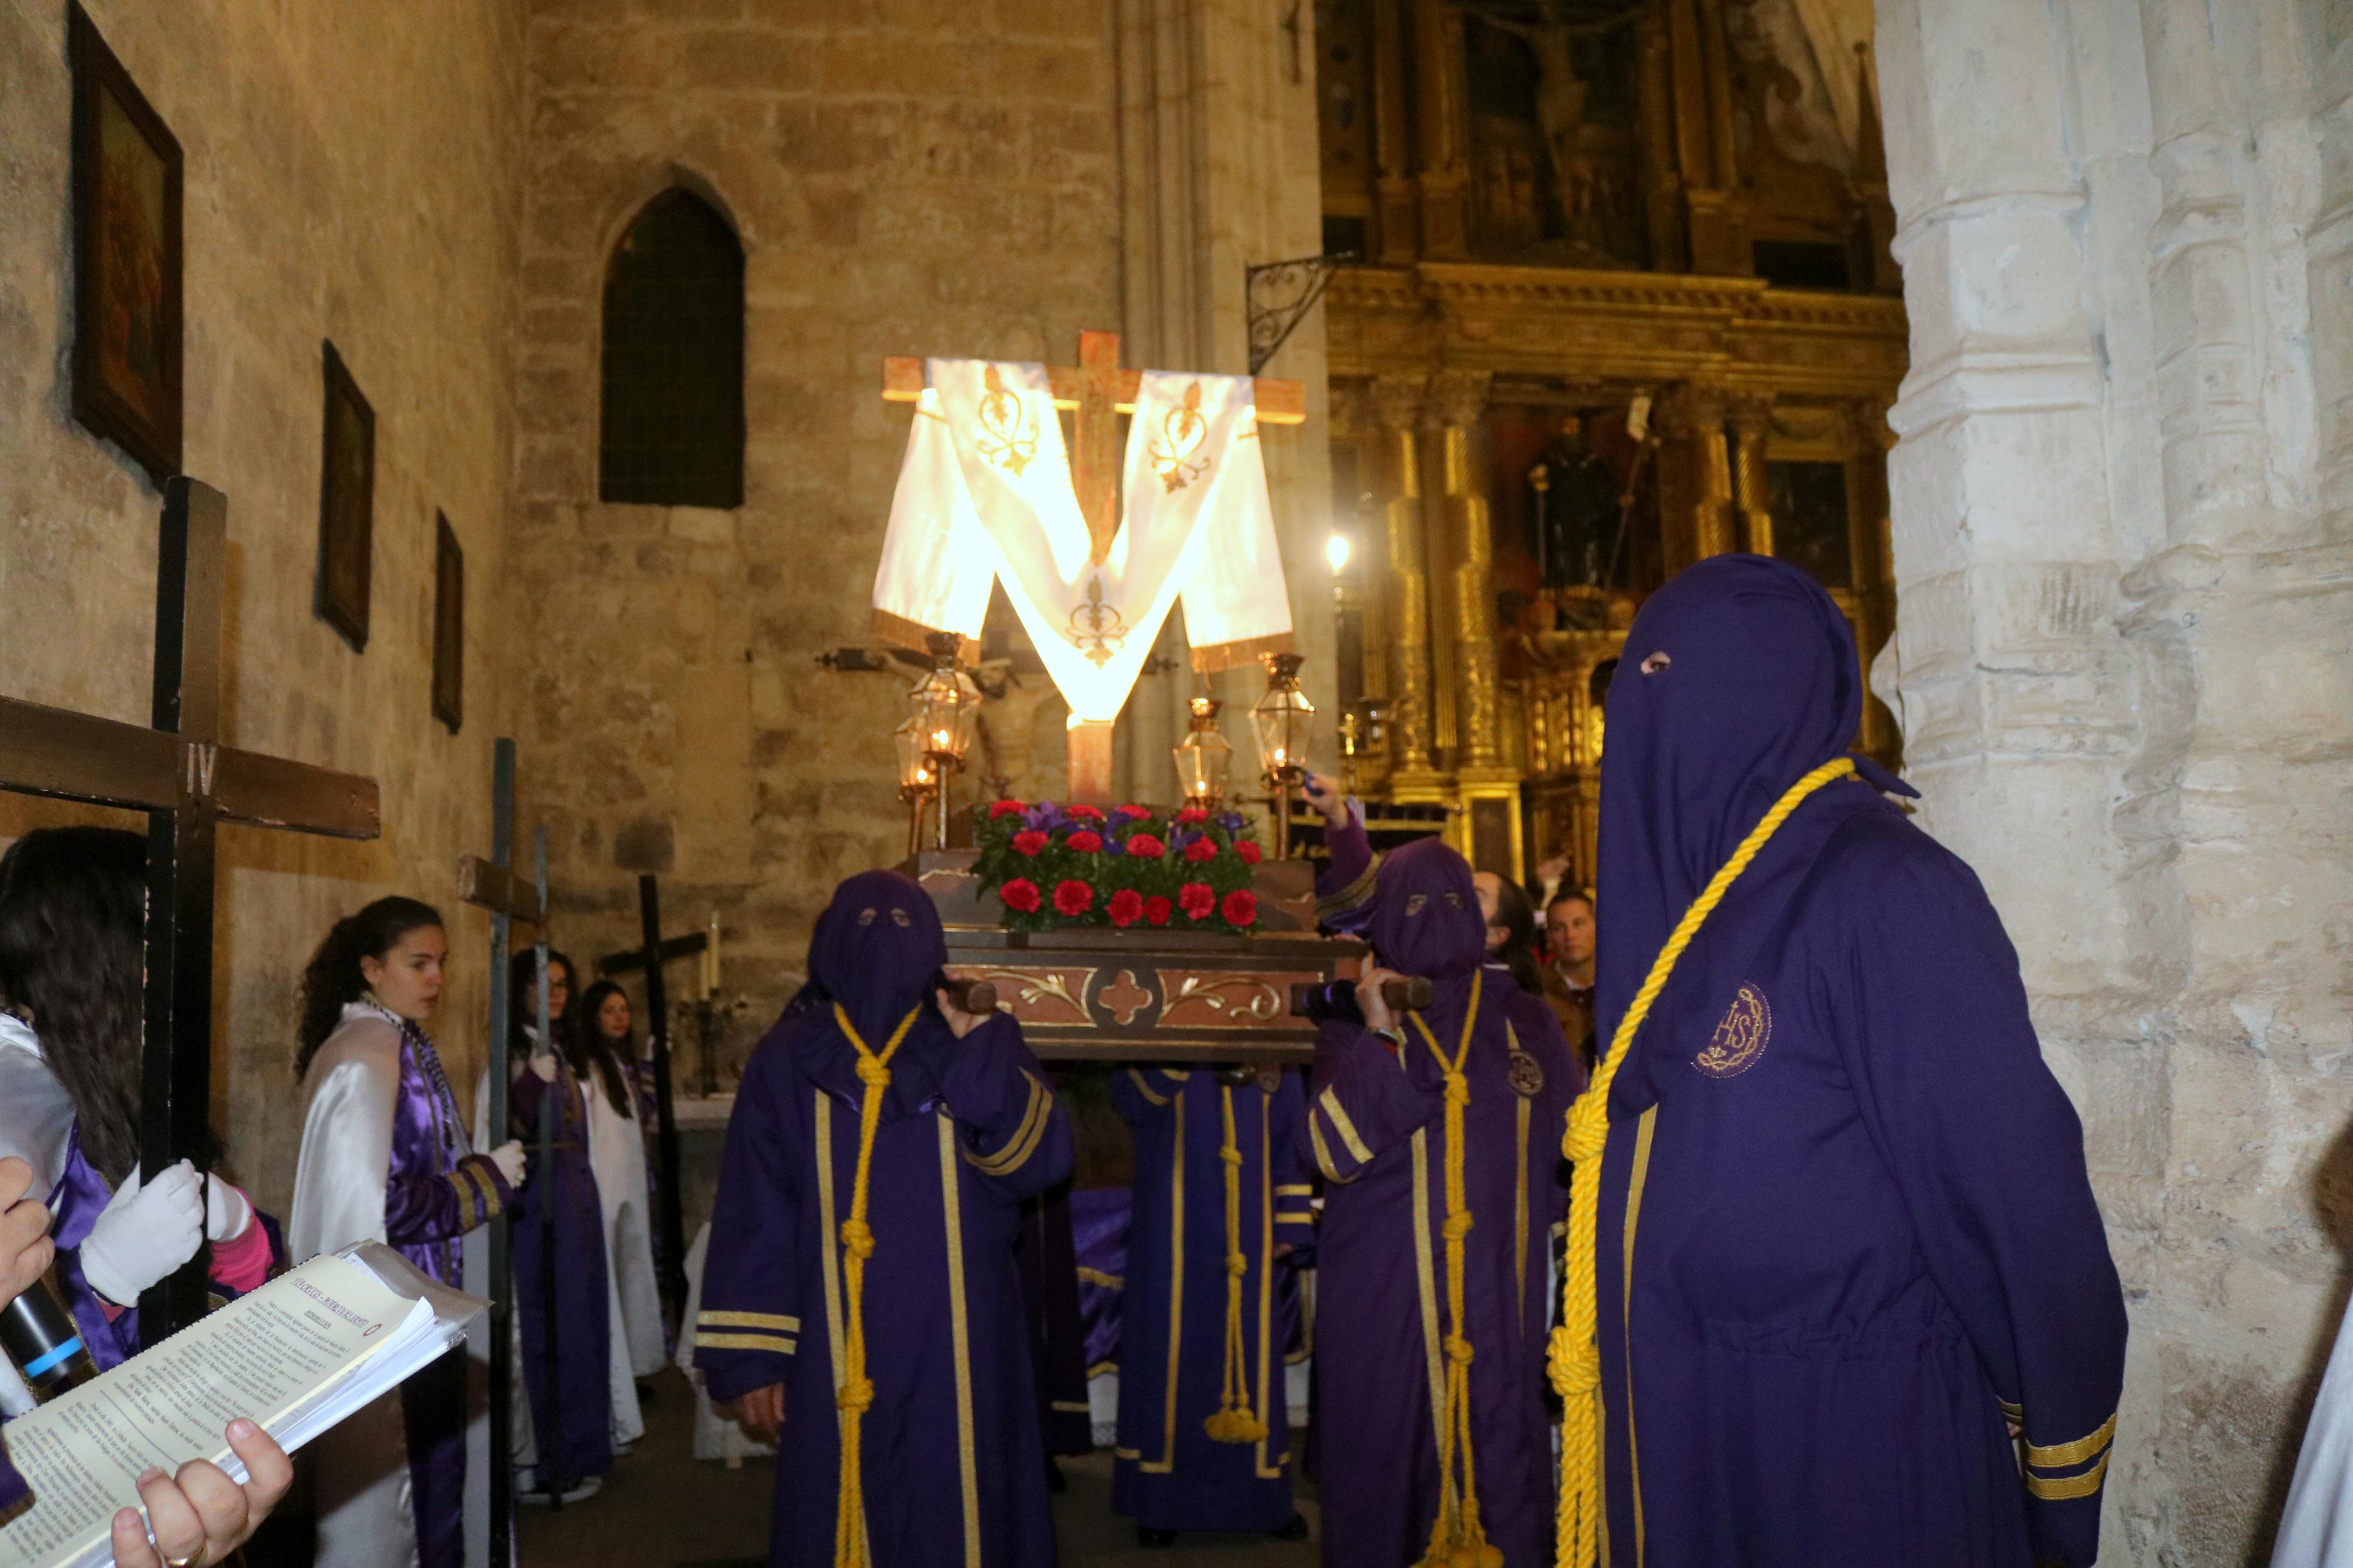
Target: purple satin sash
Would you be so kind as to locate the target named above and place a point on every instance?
(429, 1139)
(80, 1195)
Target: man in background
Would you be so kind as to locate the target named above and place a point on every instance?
(1568, 968)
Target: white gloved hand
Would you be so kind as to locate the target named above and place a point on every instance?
(227, 1212)
(144, 1233)
(508, 1158)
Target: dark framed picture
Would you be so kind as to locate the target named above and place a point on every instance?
(448, 625)
(346, 506)
(126, 241)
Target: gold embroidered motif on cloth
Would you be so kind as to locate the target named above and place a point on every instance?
(1011, 437)
(1176, 454)
(1740, 1039)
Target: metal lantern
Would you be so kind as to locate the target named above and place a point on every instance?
(918, 779)
(1203, 757)
(946, 718)
(1283, 716)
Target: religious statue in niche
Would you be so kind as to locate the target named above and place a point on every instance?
(1554, 148)
(1576, 514)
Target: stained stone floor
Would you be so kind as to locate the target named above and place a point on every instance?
(660, 1508)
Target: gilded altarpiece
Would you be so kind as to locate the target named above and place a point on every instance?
(1624, 300)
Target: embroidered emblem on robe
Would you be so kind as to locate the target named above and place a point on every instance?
(1526, 1075)
(1740, 1039)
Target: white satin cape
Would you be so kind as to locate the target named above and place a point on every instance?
(2316, 1531)
(366, 1519)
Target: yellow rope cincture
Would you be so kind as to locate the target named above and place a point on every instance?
(857, 1391)
(1458, 1538)
(1234, 1422)
(1576, 1354)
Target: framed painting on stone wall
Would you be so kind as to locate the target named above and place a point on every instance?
(346, 506)
(448, 625)
(126, 243)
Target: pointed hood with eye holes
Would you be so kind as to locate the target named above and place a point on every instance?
(1739, 678)
(1426, 923)
(878, 949)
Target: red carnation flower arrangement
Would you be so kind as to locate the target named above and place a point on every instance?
(1052, 866)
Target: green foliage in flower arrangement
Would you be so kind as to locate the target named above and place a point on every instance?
(1129, 867)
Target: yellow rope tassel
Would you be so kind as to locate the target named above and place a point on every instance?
(1575, 1359)
(1234, 1422)
(1458, 1538)
(857, 1391)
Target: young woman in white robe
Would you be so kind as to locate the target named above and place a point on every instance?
(385, 1158)
(626, 1424)
(616, 1149)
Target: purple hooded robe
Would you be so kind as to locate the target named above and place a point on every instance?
(954, 1469)
(1852, 1195)
(1170, 1473)
(1376, 1127)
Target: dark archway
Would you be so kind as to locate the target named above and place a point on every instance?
(673, 432)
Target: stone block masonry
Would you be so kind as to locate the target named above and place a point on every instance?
(354, 171)
(906, 176)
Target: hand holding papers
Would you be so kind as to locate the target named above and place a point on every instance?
(298, 1356)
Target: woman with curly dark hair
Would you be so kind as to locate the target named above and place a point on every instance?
(385, 1158)
(72, 963)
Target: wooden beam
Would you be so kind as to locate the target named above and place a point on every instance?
(1278, 402)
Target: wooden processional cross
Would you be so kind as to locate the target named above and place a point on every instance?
(187, 782)
(493, 885)
(1097, 390)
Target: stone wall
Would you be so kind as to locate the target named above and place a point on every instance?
(907, 177)
(353, 174)
(2125, 649)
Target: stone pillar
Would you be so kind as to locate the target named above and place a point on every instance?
(1396, 410)
(1752, 427)
(2118, 505)
(1445, 130)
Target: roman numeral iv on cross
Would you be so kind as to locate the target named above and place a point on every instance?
(180, 774)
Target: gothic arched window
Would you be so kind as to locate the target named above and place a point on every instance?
(673, 394)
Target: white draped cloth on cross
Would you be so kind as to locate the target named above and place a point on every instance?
(986, 493)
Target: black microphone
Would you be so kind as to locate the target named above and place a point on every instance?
(43, 1342)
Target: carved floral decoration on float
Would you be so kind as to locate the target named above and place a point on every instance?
(1128, 867)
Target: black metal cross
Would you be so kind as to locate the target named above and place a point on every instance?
(493, 885)
(186, 782)
(650, 958)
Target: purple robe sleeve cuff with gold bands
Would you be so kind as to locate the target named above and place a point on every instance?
(1006, 1157)
(772, 1333)
(433, 1208)
(1345, 891)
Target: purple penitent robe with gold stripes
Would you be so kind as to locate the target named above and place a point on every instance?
(1376, 1127)
(1170, 1473)
(952, 1466)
